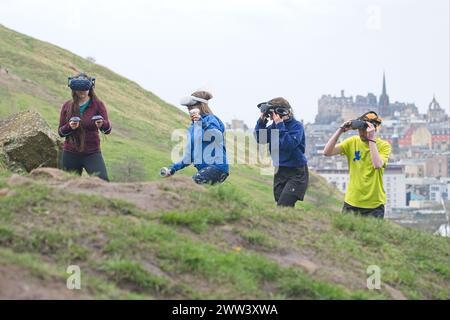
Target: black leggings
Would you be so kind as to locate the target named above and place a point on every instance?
(93, 163)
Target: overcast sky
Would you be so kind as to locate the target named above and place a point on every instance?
(249, 51)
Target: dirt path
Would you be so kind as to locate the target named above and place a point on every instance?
(166, 194)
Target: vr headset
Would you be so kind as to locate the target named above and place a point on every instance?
(81, 83)
(361, 122)
(358, 124)
(192, 101)
(267, 109)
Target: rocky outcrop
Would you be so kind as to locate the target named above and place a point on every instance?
(27, 142)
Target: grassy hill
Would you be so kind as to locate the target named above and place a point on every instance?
(170, 238)
(142, 123)
(37, 80)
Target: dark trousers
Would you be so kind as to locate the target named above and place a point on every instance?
(289, 185)
(92, 163)
(209, 175)
(375, 212)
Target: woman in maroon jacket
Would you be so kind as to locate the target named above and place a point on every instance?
(80, 121)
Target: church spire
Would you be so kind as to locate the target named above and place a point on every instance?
(384, 100)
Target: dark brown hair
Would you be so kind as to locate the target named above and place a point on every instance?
(284, 103)
(79, 135)
(204, 108)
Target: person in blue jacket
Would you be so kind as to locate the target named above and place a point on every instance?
(286, 139)
(206, 142)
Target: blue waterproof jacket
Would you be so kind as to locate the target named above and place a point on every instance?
(205, 146)
(290, 150)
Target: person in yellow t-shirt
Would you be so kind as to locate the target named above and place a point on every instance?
(367, 157)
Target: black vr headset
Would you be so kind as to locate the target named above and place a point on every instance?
(267, 109)
(361, 122)
(81, 82)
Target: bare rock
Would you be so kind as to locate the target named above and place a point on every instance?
(27, 142)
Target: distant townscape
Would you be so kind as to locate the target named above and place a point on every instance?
(417, 179)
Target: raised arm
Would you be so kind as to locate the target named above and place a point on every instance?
(379, 159)
(261, 126)
(331, 149)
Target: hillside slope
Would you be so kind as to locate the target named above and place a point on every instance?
(33, 75)
(210, 242)
(171, 238)
(36, 78)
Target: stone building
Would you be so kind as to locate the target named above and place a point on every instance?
(435, 112)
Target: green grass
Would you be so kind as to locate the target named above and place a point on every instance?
(198, 220)
(26, 199)
(39, 268)
(132, 272)
(112, 241)
(299, 286)
(257, 238)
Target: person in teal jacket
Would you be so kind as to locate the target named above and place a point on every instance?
(206, 142)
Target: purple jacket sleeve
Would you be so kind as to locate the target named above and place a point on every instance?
(106, 128)
(64, 129)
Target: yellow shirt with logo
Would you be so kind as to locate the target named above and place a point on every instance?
(365, 189)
